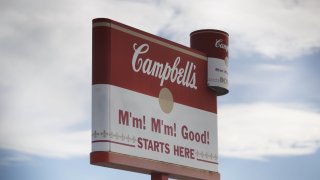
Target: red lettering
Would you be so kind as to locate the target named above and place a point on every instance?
(186, 152)
(183, 152)
(194, 136)
(123, 117)
(156, 146)
(167, 148)
(156, 125)
(140, 145)
(152, 145)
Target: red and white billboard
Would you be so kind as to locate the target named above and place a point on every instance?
(152, 110)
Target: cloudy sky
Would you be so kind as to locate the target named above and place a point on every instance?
(269, 123)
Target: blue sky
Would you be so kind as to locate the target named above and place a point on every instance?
(269, 123)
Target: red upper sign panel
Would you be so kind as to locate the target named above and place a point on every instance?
(155, 63)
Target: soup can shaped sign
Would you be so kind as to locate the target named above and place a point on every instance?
(215, 44)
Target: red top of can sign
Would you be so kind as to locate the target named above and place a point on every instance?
(210, 41)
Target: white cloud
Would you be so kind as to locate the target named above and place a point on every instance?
(45, 77)
(13, 159)
(259, 130)
(274, 68)
(42, 108)
(274, 28)
(45, 81)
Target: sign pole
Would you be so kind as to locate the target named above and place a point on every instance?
(159, 176)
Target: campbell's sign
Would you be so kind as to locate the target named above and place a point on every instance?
(152, 110)
(185, 76)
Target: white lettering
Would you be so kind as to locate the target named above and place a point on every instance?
(219, 44)
(185, 76)
(140, 50)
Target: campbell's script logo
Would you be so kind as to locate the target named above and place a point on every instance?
(219, 44)
(185, 76)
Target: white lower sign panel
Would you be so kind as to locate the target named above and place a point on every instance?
(135, 124)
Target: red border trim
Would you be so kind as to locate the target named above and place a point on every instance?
(209, 31)
(207, 161)
(106, 20)
(115, 142)
(135, 164)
